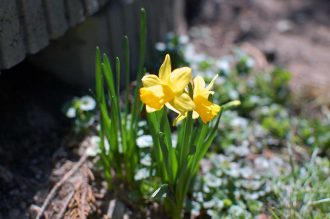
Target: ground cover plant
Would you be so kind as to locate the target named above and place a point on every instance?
(248, 171)
(265, 159)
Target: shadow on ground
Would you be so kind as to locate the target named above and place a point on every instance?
(32, 129)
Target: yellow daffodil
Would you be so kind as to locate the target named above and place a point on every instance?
(167, 89)
(203, 107)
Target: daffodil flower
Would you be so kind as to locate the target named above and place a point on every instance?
(167, 89)
(203, 107)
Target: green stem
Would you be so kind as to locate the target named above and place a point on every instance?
(177, 210)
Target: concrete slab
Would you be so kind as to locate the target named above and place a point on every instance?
(12, 48)
(55, 15)
(74, 11)
(35, 26)
(91, 6)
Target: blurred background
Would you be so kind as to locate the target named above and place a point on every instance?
(47, 51)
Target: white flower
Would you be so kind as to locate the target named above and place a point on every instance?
(160, 46)
(251, 196)
(212, 180)
(189, 52)
(240, 151)
(261, 163)
(141, 174)
(183, 39)
(224, 66)
(209, 204)
(234, 170)
(87, 103)
(233, 94)
(247, 172)
(144, 141)
(196, 207)
(142, 123)
(236, 210)
(146, 160)
(199, 197)
(239, 122)
(174, 140)
(250, 63)
(140, 132)
(93, 148)
(71, 112)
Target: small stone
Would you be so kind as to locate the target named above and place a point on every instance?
(284, 26)
(117, 210)
(34, 210)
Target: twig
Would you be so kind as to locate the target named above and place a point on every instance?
(59, 184)
(65, 205)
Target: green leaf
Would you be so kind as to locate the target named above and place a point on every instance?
(192, 150)
(153, 124)
(98, 74)
(160, 192)
(137, 106)
(163, 145)
(127, 79)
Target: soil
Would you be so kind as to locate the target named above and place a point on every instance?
(34, 133)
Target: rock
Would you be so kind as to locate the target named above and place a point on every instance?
(117, 210)
(34, 210)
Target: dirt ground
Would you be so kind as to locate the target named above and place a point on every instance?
(33, 130)
(294, 34)
(32, 133)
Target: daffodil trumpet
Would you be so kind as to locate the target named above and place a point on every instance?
(204, 108)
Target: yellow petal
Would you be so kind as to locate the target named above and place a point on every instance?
(206, 109)
(209, 87)
(168, 93)
(150, 109)
(165, 69)
(182, 103)
(199, 85)
(153, 96)
(180, 78)
(179, 118)
(168, 105)
(195, 115)
(150, 80)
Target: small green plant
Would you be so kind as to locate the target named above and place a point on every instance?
(82, 111)
(315, 134)
(305, 191)
(244, 64)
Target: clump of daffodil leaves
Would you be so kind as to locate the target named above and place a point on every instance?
(177, 165)
(173, 165)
